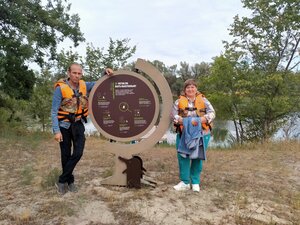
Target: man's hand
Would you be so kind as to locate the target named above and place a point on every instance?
(58, 137)
(109, 71)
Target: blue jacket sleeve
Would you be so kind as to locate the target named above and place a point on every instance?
(57, 98)
(89, 86)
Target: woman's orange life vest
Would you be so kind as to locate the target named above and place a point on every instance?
(199, 107)
(72, 107)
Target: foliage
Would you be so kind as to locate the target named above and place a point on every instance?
(116, 56)
(200, 70)
(271, 99)
(176, 76)
(254, 82)
(12, 110)
(16, 79)
(257, 103)
(118, 53)
(269, 39)
(184, 71)
(219, 132)
(224, 91)
(64, 59)
(50, 179)
(95, 60)
(30, 32)
(40, 102)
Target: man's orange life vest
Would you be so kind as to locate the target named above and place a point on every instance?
(199, 107)
(72, 107)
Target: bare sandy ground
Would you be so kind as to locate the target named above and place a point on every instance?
(247, 186)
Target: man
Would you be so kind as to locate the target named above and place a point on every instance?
(69, 111)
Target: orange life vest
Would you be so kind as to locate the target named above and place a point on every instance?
(199, 107)
(72, 107)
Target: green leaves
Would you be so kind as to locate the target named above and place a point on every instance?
(270, 37)
(115, 57)
(30, 32)
(257, 72)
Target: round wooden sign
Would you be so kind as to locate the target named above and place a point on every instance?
(124, 107)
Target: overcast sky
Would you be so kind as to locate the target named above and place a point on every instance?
(167, 30)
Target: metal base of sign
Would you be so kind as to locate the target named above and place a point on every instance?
(132, 171)
(118, 178)
(149, 181)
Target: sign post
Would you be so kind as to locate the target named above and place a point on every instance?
(125, 107)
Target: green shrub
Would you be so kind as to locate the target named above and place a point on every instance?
(51, 178)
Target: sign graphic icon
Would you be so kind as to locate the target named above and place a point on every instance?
(124, 107)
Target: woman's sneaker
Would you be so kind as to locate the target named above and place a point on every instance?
(181, 186)
(196, 187)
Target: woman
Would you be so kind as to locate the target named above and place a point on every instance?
(192, 114)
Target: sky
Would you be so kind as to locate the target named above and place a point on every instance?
(171, 31)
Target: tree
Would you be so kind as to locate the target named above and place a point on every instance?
(64, 59)
(185, 71)
(200, 70)
(168, 72)
(224, 90)
(16, 79)
(268, 103)
(115, 57)
(269, 39)
(264, 52)
(30, 32)
(40, 102)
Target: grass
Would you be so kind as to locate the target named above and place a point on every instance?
(27, 175)
(50, 179)
(296, 201)
(250, 184)
(21, 135)
(57, 208)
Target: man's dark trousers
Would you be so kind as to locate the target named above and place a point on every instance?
(74, 135)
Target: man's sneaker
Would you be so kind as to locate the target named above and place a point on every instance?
(182, 186)
(60, 188)
(72, 187)
(196, 187)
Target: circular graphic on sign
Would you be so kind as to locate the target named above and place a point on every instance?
(124, 106)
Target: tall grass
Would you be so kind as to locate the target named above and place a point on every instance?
(20, 134)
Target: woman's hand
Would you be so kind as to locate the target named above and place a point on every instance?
(178, 119)
(203, 119)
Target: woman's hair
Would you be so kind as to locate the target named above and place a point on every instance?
(189, 82)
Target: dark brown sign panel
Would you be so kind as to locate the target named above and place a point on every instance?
(124, 106)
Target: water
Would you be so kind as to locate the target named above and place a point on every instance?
(292, 132)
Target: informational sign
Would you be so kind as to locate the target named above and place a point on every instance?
(124, 106)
